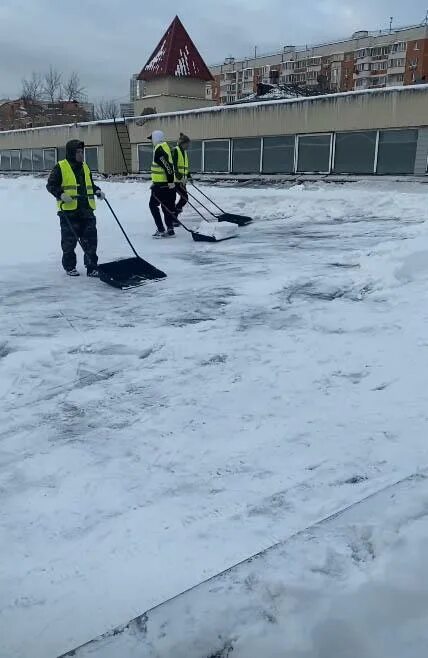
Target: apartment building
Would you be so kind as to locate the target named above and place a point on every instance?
(366, 60)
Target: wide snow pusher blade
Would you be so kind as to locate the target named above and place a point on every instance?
(129, 273)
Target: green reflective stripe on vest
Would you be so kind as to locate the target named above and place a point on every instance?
(69, 185)
(158, 173)
(182, 164)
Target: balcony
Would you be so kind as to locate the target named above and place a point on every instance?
(362, 75)
(396, 70)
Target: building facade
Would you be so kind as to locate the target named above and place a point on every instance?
(136, 88)
(367, 60)
(378, 132)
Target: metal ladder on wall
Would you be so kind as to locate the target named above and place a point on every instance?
(122, 133)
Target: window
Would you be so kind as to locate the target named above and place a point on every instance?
(145, 157)
(397, 151)
(49, 159)
(15, 160)
(4, 160)
(37, 159)
(278, 155)
(396, 63)
(91, 157)
(216, 155)
(246, 155)
(26, 160)
(61, 153)
(355, 152)
(195, 156)
(314, 153)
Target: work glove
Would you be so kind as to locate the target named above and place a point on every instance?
(66, 198)
(100, 195)
(171, 186)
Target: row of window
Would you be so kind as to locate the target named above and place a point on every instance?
(369, 152)
(41, 159)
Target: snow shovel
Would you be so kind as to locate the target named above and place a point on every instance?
(240, 220)
(202, 234)
(128, 272)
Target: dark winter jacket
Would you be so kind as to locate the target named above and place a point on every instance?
(54, 184)
(161, 159)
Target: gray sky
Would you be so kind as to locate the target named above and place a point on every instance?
(108, 40)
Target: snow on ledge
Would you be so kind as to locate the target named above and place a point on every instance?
(410, 89)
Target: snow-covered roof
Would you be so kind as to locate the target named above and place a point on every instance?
(348, 95)
(175, 56)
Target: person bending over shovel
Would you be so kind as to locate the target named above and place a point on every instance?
(70, 182)
(163, 186)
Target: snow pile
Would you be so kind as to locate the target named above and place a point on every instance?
(218, 230)
(151, 439)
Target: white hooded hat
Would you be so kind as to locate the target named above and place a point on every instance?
(157, 137)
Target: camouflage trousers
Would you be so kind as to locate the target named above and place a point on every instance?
(86, 231)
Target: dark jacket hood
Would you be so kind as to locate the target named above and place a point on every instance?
(71, 148)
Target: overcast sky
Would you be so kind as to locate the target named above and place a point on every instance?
(108, 40)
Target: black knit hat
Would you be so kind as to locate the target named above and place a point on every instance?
(183, 139)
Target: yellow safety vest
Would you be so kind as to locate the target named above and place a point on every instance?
(182, 164)
(158, 173)
(70, 187)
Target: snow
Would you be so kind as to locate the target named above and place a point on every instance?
(157, 59)
(337, 589)
(218, 230)
(183, 67)
(151, 439)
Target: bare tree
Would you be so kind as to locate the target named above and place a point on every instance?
(106, 109)
(73, 89)
(52, 85)
(32, 88)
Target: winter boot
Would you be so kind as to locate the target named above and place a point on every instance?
(93, 273)
(171, 233)
(72, 272)
(158, 234)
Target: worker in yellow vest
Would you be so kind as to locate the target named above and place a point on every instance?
(182, 174)
(163, 186)
(71, 183)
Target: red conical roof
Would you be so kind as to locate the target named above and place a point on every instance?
(175, 56)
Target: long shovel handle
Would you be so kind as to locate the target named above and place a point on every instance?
(121, 227)
(208, 198)
(170, 213)
(175, 216)
(202, 205)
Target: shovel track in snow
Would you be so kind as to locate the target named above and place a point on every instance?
(139, 624)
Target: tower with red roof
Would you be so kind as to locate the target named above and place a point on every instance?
(175, 75)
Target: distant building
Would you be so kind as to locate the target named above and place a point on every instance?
(367, 60)
(127, 109)
(175, 76)
(24, 113)
(136, 88)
